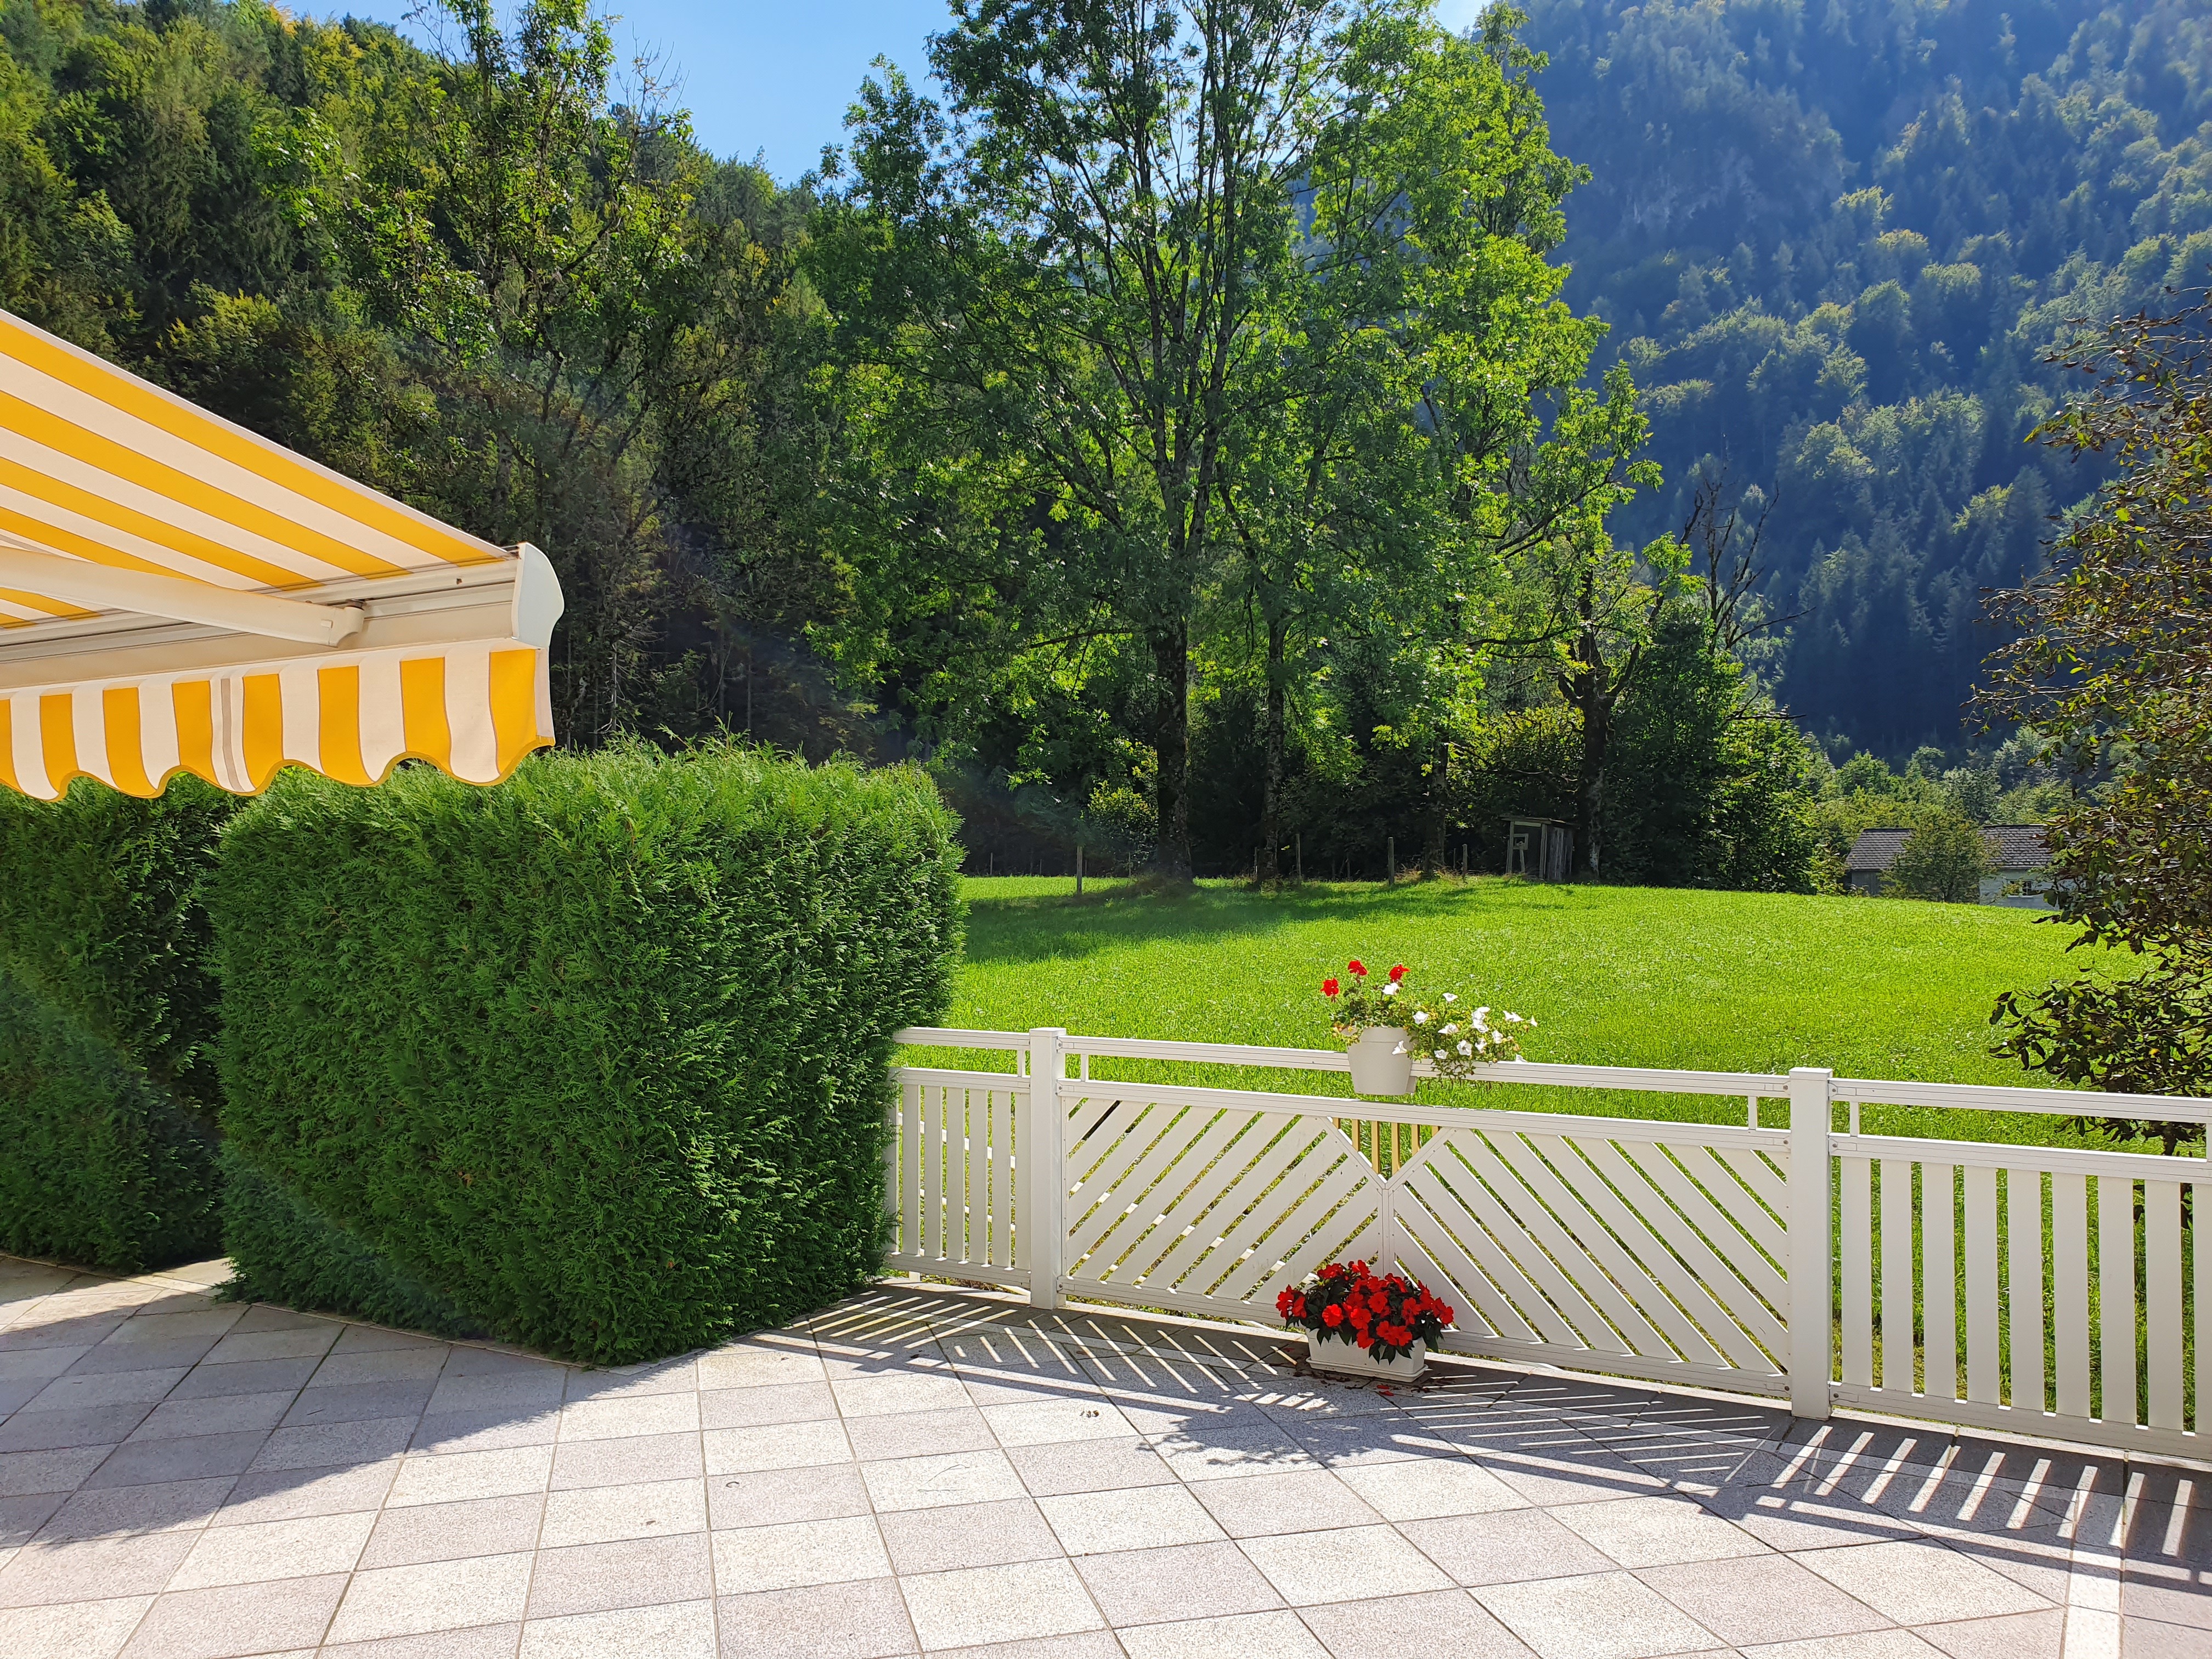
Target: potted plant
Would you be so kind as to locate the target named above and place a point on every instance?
(1358, 1325)
(1385, 1028)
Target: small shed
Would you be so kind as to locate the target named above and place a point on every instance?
(2018, 852)
(1542, 849)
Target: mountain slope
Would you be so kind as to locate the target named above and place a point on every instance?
(1834, 241)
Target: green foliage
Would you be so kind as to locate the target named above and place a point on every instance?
(1944, 859)
(98, 1164)
(2109, 665)
(1834, 241)
(283, 1249)
(472, 277)
(108, 1024)
(1709, 785)
(594, 1058)
(2151, 1035)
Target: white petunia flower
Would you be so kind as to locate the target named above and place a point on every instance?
(1421, 1016)
(1451, 996)
(1440, 1054)
(1465, 1047)
(1390, 990)
(1451, 1031)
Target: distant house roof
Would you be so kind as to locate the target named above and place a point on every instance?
(2012, 846)
(2017, 846)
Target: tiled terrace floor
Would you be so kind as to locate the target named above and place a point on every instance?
(931, 1471)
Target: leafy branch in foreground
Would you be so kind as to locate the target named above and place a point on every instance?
(2112, 662)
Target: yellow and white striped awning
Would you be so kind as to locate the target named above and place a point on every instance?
(179, 595)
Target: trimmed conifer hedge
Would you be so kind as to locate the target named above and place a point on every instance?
(595, 1060)
(108, 1017)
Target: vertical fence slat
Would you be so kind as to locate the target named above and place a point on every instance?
(1939, 1279)
(977, 1120)
(1896, 1274)
(1981, 1252)
(2116, 1296)
(910, 1171)
(2198, 1191)
(2162, 1300)
(1855, 1239)
(933, 1171)
(2069, 1291)
(2023, 1285)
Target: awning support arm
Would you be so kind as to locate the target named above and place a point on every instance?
(102, 588)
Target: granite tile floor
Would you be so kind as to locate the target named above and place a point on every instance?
(929, 1470)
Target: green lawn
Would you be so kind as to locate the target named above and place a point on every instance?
(1614, 976)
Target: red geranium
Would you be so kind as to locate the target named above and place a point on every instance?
(1358, 967)
(1329, 987)
(1397, 973)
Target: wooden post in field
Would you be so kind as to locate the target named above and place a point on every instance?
(1390, 856)
(1300, 840)
(1079, 869)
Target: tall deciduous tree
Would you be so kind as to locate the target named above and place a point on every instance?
(1422, 423)
(1083, 256)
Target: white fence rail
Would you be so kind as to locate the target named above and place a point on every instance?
(2039, 1289)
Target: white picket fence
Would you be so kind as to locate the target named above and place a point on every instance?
(2031, 1289)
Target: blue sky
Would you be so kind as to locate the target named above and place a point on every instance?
(774, 80)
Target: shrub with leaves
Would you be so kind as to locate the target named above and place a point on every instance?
(107, 1024)
(595, 1060)
(1944, 859)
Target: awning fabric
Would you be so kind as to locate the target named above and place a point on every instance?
(179, 595)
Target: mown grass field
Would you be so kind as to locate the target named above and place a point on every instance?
(1613, 977)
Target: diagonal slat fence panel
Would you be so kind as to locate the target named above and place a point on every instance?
(2052, 1291)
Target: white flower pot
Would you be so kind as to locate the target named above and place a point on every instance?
(1382, 1061)
(1329, 1353)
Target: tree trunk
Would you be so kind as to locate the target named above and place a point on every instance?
(1270, 803)
(1596, 709)
(1171, 744)
(1438, 811)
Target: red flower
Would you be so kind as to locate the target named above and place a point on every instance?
(1360, 1318)
(1365, 1341)
(1379, 1302)
(1329, 987)
(1358, 967)
(1331, 1315)
(1397, 973)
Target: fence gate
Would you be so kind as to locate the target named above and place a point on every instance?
(2032, 1289)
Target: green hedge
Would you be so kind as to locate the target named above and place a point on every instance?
(595, 1059)
(108, 1019)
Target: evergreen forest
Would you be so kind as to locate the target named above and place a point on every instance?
(1260, 439)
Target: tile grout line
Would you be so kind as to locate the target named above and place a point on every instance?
(346, 1588)
(867, 1492)
(545, 1502)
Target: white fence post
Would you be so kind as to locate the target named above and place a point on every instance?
(1045, 1184)
(1811, 1313)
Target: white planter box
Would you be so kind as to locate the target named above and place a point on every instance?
(1382, 1061)
(1350, 1359)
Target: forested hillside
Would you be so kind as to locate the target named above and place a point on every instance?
(467, 277)
(1440, 501)
(1834, 239)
